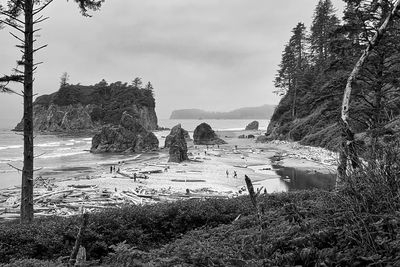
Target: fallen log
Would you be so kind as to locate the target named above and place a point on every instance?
(53, 193)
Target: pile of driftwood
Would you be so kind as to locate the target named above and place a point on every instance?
(50, 200)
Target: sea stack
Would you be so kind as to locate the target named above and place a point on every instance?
(177, 129)
(176, 141)
(252, 126)
(204, 135)
(128, 137)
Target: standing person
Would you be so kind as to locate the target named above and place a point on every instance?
(234, 174)
(227, 174)
(111, 169)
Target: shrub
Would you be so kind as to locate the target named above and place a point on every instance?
(144, 227)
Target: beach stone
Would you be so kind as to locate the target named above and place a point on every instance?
(177, 145)
(174, 131)
(204, 135)
(129, 136)
(252, 126)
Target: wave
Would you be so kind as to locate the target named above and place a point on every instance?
(10, 147)
(8, 160)
(51, 144)
(69, 144)
(59, 155)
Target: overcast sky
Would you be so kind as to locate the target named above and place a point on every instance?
(216, 55)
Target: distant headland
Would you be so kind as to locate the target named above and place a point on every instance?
(261, 112)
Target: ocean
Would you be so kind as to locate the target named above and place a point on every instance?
(58, 155)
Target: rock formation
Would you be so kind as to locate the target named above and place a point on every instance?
(204, 135)
(130, 136)
(174, 131)
(176, 141)
(87, 108)
(61, 118)
(252, 126)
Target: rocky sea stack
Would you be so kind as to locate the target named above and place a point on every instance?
(252, 126)
(204, 135)
(176, 141)
(77, 108)
(128, 137)
(177, 129)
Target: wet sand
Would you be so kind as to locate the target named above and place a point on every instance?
(208, 165)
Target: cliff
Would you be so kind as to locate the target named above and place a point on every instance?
(262, 112)
(80, 108)
(128, 137)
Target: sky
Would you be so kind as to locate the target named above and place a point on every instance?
(217, 55)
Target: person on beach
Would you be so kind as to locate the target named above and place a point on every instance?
(111, 169)
(134, 177)
(114, 168)
(234, 174)
(227, 174)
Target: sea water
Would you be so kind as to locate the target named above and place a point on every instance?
(61, 155)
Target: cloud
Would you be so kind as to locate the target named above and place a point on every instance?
(211, 54)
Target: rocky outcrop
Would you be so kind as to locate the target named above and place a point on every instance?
(177, 144)
(87, 108)
(174, 131)
(128, 137)
(204, 135)
(252, 126)
(60, 118)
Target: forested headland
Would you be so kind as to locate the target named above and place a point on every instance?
(316, 63)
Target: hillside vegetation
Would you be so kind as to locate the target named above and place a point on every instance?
(263, 112)
(315, 66)
(110, 100)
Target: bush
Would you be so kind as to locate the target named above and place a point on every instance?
(145, 227)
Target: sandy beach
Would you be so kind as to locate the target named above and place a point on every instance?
(208, 166)
(205, 175)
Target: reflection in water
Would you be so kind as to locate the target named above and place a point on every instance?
(297, 179)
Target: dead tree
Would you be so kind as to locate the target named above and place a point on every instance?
(349, 151)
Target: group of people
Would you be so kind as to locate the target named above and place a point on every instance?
(234, 174)
(112, 169)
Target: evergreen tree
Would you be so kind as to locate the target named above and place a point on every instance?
(323, 25)
(23, 16)
(64, 79)
(137, 83)
(293, 64)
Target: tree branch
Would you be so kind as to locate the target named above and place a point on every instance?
(37, 10)
(18, 169)
(12, 26)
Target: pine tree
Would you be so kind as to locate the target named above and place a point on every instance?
(23, 16)
(323, 25)
(137, 83)
(64, 79)
(293, 64)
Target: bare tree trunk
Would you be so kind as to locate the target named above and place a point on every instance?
(78, 241)
(349, 150)
(294, 101)
(27, 171)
